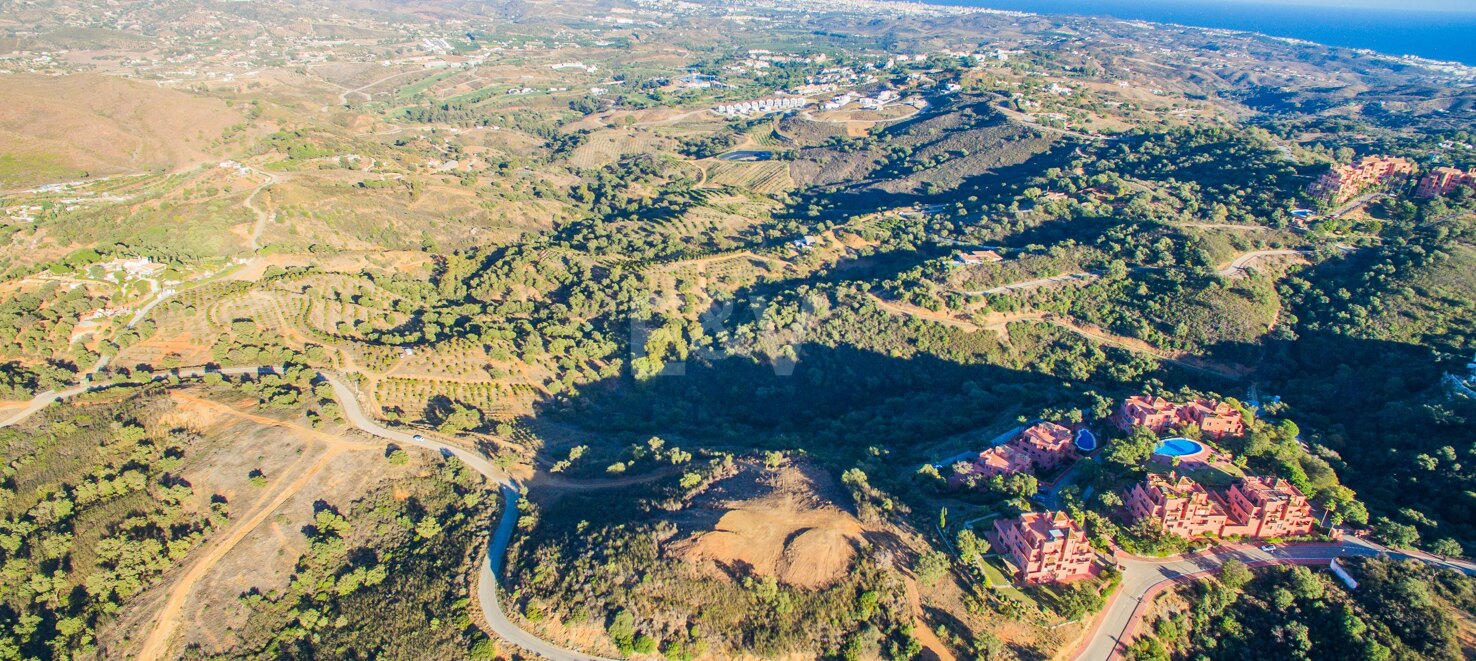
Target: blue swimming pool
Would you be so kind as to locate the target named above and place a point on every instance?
(1178, 447)
(1085, 440)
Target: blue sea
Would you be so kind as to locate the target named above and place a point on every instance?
(1433, 33)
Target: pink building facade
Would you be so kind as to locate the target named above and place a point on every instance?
(1266, 507)
(1344, 181)
(1045, 547)
(1048, 444)
(1043, 446)
(1216, 419)
(1178, 504)
(1443, 181)
(1254, 507)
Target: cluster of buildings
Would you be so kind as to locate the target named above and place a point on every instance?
(1343, 182)
(761, 106)
(1215, 419)
(839, 76)
(1049, 547)
(134, 268)
(437, 45)
(1042, 447)
(872, 102)
(1443, 181)
(1257, 507)
(587, 68)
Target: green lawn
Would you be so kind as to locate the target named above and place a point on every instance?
(1218, 476)
(994, 571)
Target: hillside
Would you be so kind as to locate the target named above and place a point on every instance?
(1398, 610)
(785, 330)
(72, 127)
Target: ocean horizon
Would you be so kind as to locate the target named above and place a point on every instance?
(1430, 33)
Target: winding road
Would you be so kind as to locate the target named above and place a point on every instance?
(262, 215)
(343, 96)
(157, 643)
(496, 549)
(1111, 632)
(1143, 578)
(1243, 262)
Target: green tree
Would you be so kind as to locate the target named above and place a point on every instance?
(931, 567)
(622, 631)
(1234, 574)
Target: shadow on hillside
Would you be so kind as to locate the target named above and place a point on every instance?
(992, 185)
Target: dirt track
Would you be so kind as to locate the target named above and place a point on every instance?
(303, 473)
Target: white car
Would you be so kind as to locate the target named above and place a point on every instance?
(1268, 548)
(418, 438)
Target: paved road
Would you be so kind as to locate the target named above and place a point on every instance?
(487, 595)
(160, 293)
(1353, 204)
(1143, 578)
(496, 549)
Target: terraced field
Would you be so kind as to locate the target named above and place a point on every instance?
(765, 177)
(606, 147)
(496, 400)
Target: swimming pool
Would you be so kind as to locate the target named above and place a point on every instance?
(1178, 447)
(1085, 440)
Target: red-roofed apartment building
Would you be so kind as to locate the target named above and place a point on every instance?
(1042, 446)
(1215, 419)
(1046, 547)
(1003, 460)
(1178, 504)
(1344, 181)
(1048, 444)
(1266, 507)
(1442, 181)
(1155, 413)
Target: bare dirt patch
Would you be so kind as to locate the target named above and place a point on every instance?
(783, 523)
(199, 603)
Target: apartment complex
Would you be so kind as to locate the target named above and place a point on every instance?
(1046, 547)
(761, 106)
(1215, 419)
(1257, 507)
(1042, 446)
(1443, 181)
(1342, 182)
(1003, 460)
